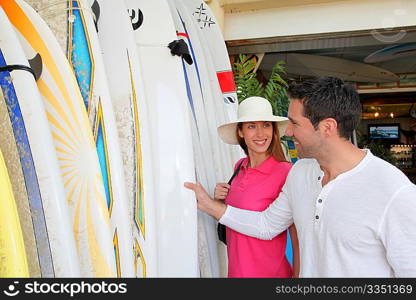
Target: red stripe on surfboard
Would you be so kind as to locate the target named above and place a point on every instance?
(226, 80)
(182, 34)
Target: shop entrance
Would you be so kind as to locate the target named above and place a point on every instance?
(388, 125)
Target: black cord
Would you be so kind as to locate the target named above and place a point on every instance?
(10, 68)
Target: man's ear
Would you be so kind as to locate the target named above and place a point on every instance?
(329, 127)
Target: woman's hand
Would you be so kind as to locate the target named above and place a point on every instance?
(221, 191)
(205, 203)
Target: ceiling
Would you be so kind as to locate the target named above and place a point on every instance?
(386, 111)
(350, 45)
(397, 104)
(387, 105)
(356, 54)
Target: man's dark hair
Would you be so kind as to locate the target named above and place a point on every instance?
(329, 97)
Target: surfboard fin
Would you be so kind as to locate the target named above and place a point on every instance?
(36, 65)
(96, 10)
(180, 48)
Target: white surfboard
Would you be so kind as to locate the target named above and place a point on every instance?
(392, 52)
(215, 107)
(14, 167)
(210, 29)
(223, 156)
(73, 140)
(126, 86)
(171, 139)
(56, 244)
(77, 19)
(317, 65)
(217, 57)
(218, 69)
(203, 151)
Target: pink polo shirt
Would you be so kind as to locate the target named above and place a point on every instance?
(255, 189)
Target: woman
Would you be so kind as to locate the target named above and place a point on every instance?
(257, 184)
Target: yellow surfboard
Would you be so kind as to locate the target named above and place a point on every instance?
(13, 261)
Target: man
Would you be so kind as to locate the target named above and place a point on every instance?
(354, 212)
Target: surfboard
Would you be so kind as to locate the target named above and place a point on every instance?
(317, 65)
(171, 139)
(73, 141)
(126, 87)
(217, 58)
(12, 159)
(215, 43)
(202, 147)
(391, 52)
(41, 171)
(218, 67)
(12, 248)
(75, 22)
(215, 106)
(224, 156)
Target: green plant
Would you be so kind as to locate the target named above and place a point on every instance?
(248, 85)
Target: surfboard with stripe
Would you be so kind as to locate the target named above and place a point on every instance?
(392, 52)
(34, 140)
(79, 18)
(12, 160)
(217, 57)
(217, 70)
(223, 156)
(211, 31)
(73, 140)
(203, 141)
(126, 87)
(170, 138)
(28, 170)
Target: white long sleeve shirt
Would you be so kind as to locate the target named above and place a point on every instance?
(361, 224)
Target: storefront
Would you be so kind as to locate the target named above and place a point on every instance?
(372, 45)
(389, 123)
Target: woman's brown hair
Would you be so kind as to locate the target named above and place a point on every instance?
(275, 148)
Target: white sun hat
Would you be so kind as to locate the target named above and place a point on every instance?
(251, 109)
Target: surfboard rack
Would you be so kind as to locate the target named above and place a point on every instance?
(180, 48)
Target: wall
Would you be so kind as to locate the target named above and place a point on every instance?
(307, 18)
